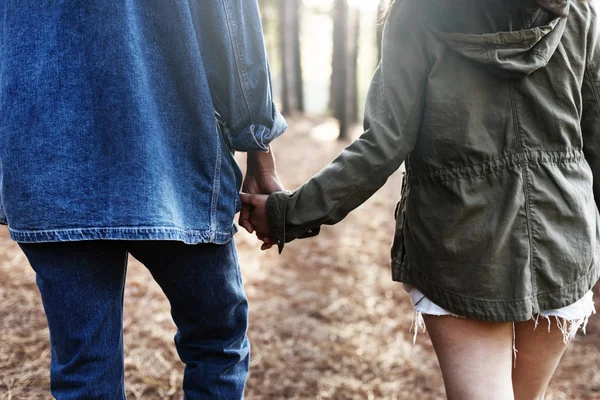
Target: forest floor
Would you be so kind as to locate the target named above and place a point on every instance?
(327, 322)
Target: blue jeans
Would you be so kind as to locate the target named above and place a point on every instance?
(82, 285)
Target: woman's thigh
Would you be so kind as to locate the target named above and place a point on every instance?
(476, 357)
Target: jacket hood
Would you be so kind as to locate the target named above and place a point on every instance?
(513, 54)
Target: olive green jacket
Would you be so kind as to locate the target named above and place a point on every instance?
(495, 108)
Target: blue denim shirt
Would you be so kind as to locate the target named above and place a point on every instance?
(119, 119)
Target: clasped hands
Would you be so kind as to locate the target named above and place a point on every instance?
(261, 180)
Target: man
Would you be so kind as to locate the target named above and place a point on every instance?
(118, 123)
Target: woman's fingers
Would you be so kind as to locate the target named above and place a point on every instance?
(265, 246)
(245, 218)
(254, 219)
(266, 238)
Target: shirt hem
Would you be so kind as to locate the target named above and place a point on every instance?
(124, 233)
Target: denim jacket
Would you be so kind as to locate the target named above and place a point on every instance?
(119, 119)
(494, 106)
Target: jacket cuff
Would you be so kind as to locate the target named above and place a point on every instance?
(276, 215)
(257, 137)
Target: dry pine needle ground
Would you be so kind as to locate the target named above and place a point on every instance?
(327, 322)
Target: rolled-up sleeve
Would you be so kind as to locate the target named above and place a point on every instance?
(235, 60)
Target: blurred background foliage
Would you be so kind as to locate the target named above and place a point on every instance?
(322, 55)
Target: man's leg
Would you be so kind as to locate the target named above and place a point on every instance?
(81, 284)
(210, 309)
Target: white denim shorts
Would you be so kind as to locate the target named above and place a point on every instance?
(569, 319)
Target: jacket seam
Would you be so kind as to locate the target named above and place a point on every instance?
(491, 167)
(151, 233)
(216, 186)
(113, 228)
(595, 89)
(565, 152)
(488, 50)
(526, 188)
(236, 56)
(490, 45)
(221, 110)
(539, 55)
(447, 177)
(530, 230)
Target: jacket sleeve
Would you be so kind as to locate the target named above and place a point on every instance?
(590, 120)
(392, 121)
(231, 41)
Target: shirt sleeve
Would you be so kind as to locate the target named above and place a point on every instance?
(392, 120)
(233, 51)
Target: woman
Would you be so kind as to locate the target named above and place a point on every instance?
(495, 108)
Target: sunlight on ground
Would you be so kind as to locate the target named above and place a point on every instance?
(329, 131)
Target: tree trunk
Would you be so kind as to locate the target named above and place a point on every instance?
(291, 60)
(354, 38)
(344, 88)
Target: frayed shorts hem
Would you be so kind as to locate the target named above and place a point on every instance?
(569, 319)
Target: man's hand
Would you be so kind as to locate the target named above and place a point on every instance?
(261, 178)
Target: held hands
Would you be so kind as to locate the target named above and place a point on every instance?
(261, 179)
(257, 218)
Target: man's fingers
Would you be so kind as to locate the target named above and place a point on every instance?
(248, 199)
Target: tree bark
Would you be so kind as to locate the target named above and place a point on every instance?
(339, 66)
(354, 38)
(291, 56)
(344, 87)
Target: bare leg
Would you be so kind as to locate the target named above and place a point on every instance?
(475, 357)
(539, 354)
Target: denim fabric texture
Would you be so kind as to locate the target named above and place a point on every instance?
(119, 119)
(82, 291)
